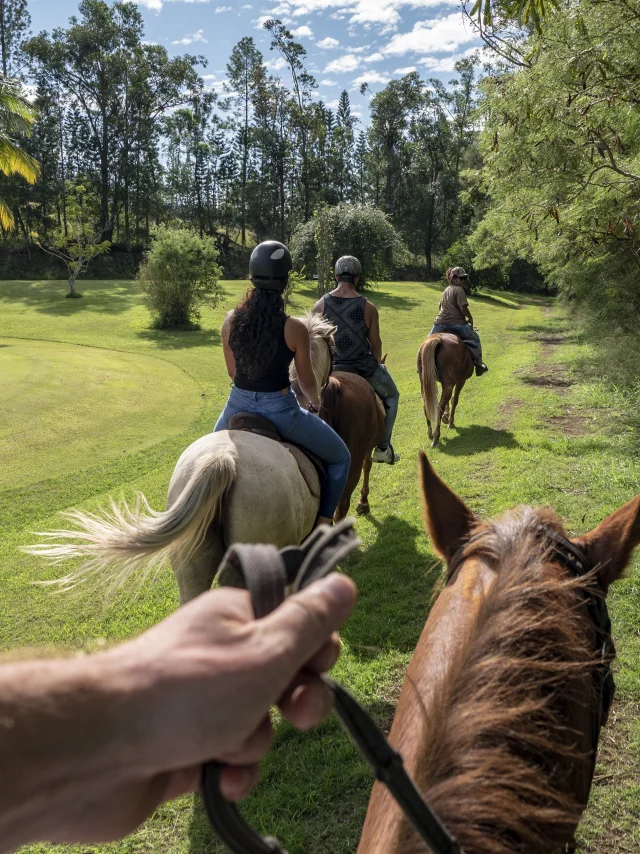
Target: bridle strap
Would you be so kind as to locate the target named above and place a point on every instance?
(265, 573)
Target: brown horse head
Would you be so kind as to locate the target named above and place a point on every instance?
(498, 716)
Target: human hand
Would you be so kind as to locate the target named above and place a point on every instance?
(199, 686)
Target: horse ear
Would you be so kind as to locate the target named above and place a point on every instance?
(447, 518)
(610, 544)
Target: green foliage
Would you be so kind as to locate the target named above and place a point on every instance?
(461, 254)
(17, 116)
(179, 274)
(81, 242)
(561, 143)
(358, 230)
(297, 278)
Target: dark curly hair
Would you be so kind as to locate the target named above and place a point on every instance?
(255, 327)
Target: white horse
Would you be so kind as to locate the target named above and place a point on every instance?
(227, 487)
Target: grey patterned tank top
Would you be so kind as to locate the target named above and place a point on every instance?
(353, 351)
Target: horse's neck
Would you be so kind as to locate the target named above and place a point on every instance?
(450, 623)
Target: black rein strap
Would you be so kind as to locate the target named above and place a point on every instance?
(266, 572)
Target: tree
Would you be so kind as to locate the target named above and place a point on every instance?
(82, 242)
(390, 110)
(100, 62)
(244, 71)
(562, 160)
(179, 274)
(17, 116)
(14, 25)
(356, 230)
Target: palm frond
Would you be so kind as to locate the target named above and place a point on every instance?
(6, 217)
(15, 161)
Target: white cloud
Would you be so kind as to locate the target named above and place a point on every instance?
(374, 57)
(336, 16)
(276, 64)
(328, 82)
(328, 43)
(157, 5)
(407, 70)
(223, 9)
(260, 22)
(439, 35)
(446, 63)
(303, 32)
(333, 104)
(194, 37)
(343, 63)
(247, 6)
(371, 77)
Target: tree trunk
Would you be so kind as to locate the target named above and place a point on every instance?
(3, 38)
(72, 284)
(387, 189)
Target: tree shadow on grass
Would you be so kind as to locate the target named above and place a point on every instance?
(181, 339)
(49, 297)
(475, 439)
(395, 581)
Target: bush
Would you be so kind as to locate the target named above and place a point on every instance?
(358, 230)
(178, 275)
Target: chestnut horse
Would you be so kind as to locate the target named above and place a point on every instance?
(355, 412)
(499, 714)
(444, 358)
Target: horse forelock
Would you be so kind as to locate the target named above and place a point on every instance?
(507, 765)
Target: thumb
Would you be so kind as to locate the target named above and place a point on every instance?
(305, 621)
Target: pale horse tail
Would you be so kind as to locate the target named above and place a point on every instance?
(429, 377)
(117, 543)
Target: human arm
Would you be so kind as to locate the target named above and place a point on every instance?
(318, 307)
(296, 335)
(90, 746)
(463, 305)
(372, 320)
(229, 358)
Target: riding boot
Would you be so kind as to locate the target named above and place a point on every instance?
(481, 369)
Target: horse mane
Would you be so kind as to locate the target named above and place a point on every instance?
(320, 329)
(330, 403)
(505, 769)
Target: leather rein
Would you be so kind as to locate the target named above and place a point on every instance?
(266, 573)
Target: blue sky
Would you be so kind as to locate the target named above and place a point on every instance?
(348, 42)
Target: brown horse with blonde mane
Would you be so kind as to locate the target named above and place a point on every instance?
(500, 712)
(444, 358)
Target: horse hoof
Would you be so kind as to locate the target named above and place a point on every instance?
(435, 443)
(363, 509)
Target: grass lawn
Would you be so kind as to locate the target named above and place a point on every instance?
(96, 403)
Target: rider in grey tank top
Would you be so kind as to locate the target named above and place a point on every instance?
(352, 348)
(358, 346)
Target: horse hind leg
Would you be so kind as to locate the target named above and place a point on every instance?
(454, 403)
(363, 505)
(444, 402)
(195, 572)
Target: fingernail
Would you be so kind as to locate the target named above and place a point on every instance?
(340, 589)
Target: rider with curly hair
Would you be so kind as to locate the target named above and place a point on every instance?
(260, 341)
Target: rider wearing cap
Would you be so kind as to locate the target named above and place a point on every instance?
(358, 346)
(454, 316)
(259, 342)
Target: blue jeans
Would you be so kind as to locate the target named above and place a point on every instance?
(383, 385)
(305, 429)
(468, 334)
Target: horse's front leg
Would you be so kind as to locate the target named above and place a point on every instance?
(363, 505)
(444, 402)
(454, 403)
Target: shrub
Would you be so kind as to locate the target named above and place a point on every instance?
(178, 275)
(358, 230)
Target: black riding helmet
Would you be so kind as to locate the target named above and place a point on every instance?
(270, 265)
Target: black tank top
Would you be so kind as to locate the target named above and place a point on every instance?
(275, 375)
(352, 348)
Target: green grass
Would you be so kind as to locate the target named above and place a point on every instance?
(567, 441)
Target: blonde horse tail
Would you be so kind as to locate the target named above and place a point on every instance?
(429, 377)
(117, 542)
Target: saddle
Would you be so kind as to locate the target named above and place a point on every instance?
(308, 462)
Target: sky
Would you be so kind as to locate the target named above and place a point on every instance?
(348, 42)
